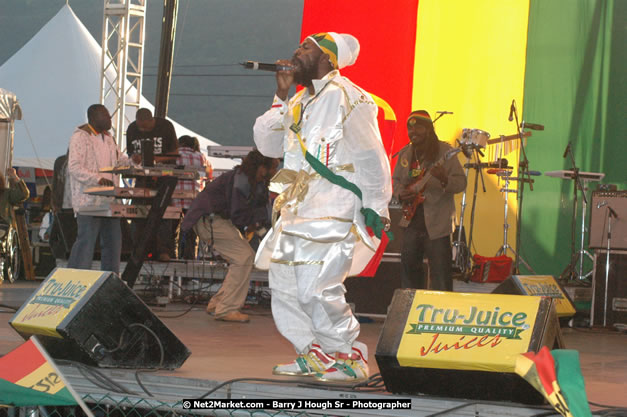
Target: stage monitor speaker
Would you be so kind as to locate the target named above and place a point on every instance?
(94, 318)
(616, 311)
(541, 285)
(601, 200)
(372, 295)
(464, 345)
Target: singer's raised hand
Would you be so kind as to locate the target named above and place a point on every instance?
(284, 79)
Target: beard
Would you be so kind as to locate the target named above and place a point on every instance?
(104, 126)
(304, 73)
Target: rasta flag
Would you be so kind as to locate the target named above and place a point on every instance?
(557, 376)
(29, 377)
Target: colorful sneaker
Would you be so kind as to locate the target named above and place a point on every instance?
(314, 361)
(348, 367)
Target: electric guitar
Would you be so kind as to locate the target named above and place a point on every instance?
(418, 185)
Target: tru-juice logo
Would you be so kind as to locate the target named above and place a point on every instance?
(54, 297)
(476, 328)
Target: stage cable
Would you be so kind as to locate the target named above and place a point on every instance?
(8, 307)
(102, 381)
(161, 359)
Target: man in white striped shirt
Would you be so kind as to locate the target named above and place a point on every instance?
(92, 148)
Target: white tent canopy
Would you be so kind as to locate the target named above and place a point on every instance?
(56, 77)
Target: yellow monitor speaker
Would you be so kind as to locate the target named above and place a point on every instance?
(464, 345)
(95, 318)
(539, 285)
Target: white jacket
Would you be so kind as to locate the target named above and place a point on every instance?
(89, 154)
(340, 129)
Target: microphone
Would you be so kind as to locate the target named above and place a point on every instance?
(260, 66)
(444, 112)
(532, 126)
(512, 108)
(609, 208)
(566, 150)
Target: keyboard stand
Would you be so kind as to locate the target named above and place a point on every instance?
(159, 204)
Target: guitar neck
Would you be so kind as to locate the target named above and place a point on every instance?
(420, 184)
(424, 180)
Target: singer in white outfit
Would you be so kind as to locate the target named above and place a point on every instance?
(320, 237)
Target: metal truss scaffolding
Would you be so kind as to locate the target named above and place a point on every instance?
(123, 33)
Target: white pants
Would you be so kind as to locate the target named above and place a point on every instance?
(308, 304)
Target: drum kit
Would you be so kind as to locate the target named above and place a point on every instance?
(473, 142)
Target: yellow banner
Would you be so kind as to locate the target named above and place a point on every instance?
(54, 300)
(470, 60)
(483, 332)
(545, 285)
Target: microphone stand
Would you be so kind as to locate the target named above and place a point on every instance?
(570, 271)
(437, 118)
(523, 163)
(610, 213)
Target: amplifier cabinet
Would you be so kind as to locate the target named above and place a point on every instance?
(616, 311)
(601, 200)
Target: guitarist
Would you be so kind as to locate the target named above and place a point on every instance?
(427, 231)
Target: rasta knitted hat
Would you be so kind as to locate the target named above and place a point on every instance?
(342, 48)
(419, 116)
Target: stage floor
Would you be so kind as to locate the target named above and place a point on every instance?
(223, 351)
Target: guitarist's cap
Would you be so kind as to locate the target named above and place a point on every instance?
(421, 116)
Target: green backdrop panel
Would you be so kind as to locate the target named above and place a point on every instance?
(575, 86)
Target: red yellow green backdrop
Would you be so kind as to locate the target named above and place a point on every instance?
(560, 61)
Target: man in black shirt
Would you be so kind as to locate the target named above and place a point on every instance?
(161, 133)
(147, 127)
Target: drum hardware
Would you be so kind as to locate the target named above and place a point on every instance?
(470, 144)
(505, 174)
(577, 257)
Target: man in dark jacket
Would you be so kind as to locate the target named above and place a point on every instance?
(428, 230)
(232, 206)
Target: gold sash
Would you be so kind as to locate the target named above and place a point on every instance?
(298, 186)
